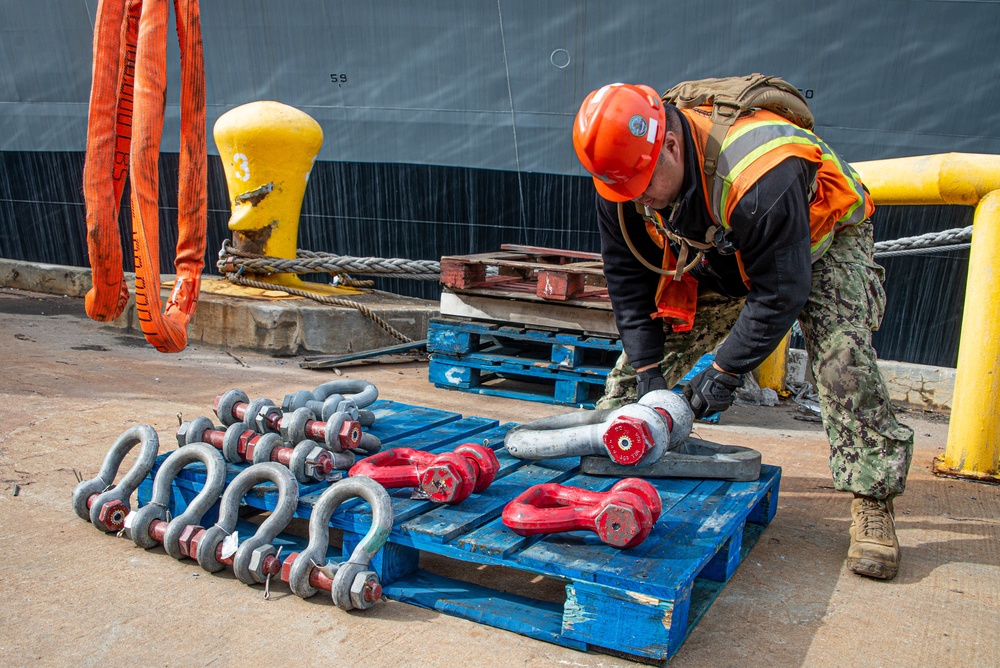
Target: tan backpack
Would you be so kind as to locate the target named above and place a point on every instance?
(732, 96)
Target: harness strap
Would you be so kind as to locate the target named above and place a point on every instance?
(685, 244)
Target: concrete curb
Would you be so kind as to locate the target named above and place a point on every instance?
(277, 327)
(297, 327)
(925, 387)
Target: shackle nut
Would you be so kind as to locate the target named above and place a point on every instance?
(259, 562)
(318, 463)
(188, 541)
(350, 434)
(182, 433)
(628, 439)
(441, 482)
(366, 590)
(112, 515)
(617, 524)
(265, 418)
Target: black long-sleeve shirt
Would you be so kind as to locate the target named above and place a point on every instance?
(770, 227)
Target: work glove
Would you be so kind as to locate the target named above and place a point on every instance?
(711, 391)
(650, 380)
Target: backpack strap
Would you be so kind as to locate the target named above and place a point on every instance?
(724, 114)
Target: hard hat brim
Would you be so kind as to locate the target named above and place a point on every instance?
(624, 192)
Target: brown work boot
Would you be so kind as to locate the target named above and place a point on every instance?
(874, 550)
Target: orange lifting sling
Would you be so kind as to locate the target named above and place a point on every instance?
(127, 102)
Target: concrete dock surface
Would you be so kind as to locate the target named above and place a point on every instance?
(72, 596)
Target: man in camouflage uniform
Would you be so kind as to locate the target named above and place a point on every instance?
(796, 243)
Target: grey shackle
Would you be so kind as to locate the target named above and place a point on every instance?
(352, 575)
(102, 485)
(288, 500)
(581, 433)
(138, 522)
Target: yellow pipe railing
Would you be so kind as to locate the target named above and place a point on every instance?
(973, 448)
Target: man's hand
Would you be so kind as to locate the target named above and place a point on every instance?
(711, 391)
(650, 379)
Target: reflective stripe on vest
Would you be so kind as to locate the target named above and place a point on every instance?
(764, 135)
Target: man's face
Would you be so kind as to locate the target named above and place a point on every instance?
(665, 185)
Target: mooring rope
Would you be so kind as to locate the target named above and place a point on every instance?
(308, 262)
(234, 263)
(954, 239)
(234, 277)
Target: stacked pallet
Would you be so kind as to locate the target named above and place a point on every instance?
(528, 323)
(530, 286)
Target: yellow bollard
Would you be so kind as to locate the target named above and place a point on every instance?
(267, 150)
(973, 449)
(772, 371)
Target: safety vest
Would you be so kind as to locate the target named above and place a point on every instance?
(758, 142)
(755, 144)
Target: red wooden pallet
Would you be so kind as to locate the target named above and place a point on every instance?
(548, 273)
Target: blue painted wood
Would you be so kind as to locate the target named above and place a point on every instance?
(468, 429)
(571, 392)
(642, 602)
(394, 420)
(525, 366)
(445, 374)
(450, 339)
(528, 617)
(567, 355)
(391, 563)
(524, 395)
(443, 333)
(688, 537)
(727, 559)
(493, 436)
(625, 621)
(562, 376)
(766, 508)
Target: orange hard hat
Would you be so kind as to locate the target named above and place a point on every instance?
(617, 136)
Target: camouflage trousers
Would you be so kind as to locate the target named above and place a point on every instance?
(870, 450)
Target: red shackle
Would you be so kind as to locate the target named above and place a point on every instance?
(446, 478)
(622, 517)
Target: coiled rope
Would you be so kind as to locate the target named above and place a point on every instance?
(234, 263)
(334, 301)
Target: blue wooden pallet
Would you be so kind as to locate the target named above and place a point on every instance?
(641, 602)
(565, 369)
(552, 367)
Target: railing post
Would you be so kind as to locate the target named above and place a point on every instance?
(973, 449)
(773, 371)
